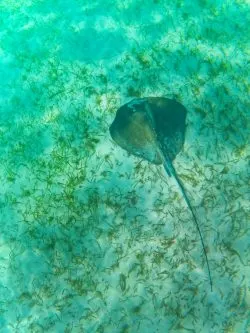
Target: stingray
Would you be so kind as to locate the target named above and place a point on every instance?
(153, 128)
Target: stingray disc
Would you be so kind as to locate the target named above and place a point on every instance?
(148, 127)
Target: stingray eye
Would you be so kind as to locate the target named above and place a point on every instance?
(132, 104)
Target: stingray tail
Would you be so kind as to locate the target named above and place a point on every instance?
(171, 171)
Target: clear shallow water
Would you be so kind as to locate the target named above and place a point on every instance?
(94, 240)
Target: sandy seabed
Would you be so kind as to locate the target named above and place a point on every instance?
(93, 239)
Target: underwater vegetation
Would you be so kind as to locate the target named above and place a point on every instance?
(92, 238)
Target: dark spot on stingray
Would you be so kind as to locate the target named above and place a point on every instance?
(153, 128)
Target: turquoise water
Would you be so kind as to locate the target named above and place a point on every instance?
(93, 239)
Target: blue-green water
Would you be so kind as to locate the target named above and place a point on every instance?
(93, 239)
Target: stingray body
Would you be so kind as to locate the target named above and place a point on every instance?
(153, 128)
